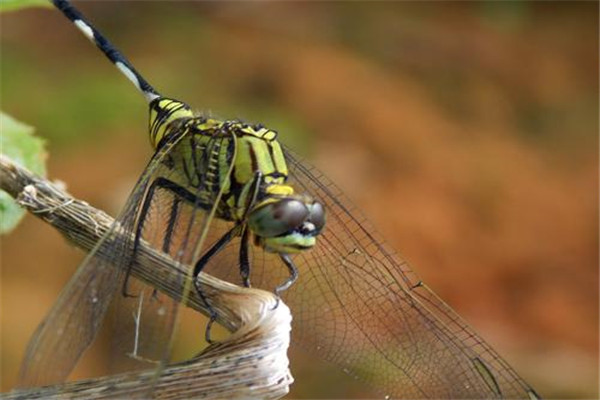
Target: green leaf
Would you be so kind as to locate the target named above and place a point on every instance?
(18, 143)
(13, 5)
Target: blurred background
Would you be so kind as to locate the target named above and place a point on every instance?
(467, 132)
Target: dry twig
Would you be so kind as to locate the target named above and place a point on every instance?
(251, 363)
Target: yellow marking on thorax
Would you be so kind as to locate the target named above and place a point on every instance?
(279, 190)
(259, 151)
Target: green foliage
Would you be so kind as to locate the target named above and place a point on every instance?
(18, 143)
(13, 5)
(16, 139)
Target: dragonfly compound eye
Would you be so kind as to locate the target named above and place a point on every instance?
(278, 218)
(317, 216)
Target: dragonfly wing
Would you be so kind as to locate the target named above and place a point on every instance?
(77, 315)
(175, 216)
(74, 320)
(362, 307)
(72, 323)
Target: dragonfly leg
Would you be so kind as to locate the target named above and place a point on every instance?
(293, 274)
(254, 188)
(171, 226)
(226, 238)
(168, 234)
(180, 193)
(244, 261)
(138, 236)
(212, 319)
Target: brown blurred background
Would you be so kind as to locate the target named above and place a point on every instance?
(467, 132)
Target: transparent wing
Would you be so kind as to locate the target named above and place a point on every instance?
(175, 221)
(175, 217)
(361, 307)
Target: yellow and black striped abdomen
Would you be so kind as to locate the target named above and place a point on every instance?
(163, 114)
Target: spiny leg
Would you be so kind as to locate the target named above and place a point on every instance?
(171, 225)
(237, 230)
(293, 274)
(166, 247)
(218, 246)
(180, 193)
(244, 260)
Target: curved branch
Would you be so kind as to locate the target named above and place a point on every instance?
(251, 363)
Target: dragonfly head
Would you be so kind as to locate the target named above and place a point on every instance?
(286, 224)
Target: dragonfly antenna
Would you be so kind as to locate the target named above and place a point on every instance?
(107, 48)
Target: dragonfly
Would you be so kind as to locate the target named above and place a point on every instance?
(226, 197)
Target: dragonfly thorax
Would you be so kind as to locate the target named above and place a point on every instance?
(254, 192)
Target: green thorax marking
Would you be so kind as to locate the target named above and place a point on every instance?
(208, 144)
